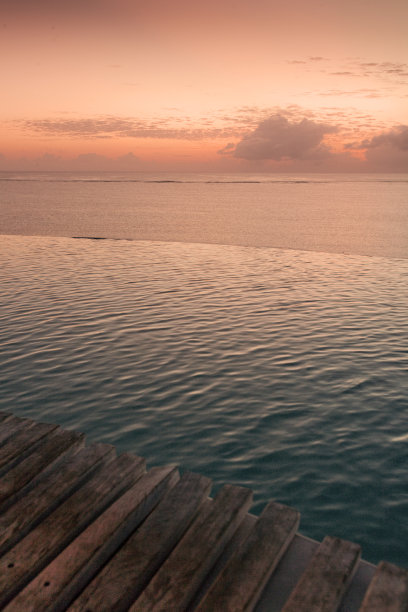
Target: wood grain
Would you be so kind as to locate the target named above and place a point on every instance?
(128, 572)
(17, 447)
(23, 475)
(326, 578)
(177, 581)
(388, 590)
(11, 426)
(65, 577)
(27, 512)
(5, 416)
(241, 582)
(82, 530)
(31, 554)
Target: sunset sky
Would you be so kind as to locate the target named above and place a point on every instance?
(185, 85)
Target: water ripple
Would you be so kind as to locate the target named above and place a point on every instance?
(281, 370)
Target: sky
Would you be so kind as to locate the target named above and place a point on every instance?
(187, 85)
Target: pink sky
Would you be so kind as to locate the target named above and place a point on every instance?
(237, 85)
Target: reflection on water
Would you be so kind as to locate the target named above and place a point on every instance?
(337, 213)
(281, 370)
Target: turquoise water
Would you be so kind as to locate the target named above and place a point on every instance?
(282, 370)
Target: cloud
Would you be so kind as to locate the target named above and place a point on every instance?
(229, 148)
(358, 93)
(378, 79)
(276, 138)
(386, 151)
(222, 125)
(396, 138)
(124, 127)
(342, 73)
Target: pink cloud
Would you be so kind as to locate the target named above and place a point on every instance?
(396, 138)
(276, 138)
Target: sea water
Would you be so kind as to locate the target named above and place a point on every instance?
(351, 214)
(280, 369)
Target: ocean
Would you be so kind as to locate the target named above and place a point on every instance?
(252, 328)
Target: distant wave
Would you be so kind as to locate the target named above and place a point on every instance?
(89, 237)
(100, 238)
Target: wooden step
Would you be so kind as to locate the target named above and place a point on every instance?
(61, 581)
(19, 445)
(326, 578)
(177, 581)
(42, 544)
(49, 493)
(241, 582)
(388, 590)
(133, 566)
(41, 460)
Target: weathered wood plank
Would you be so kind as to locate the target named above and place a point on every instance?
(65, 577)
(388, 590)
(23, 476)
(326, 578)
(20, 445)
(241, 582)
(20, 564)
(128, 572)
(50, 491)
(5, 416)
(177, 581)
(12, 426)
(234, 543)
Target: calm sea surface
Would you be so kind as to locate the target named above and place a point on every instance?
(200, 342)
